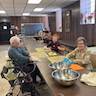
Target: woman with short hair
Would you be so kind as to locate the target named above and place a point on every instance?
(81, 55)
(56, 46)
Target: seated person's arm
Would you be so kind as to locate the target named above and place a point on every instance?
(71, 54)
(47, 48)
(25, 52)
(78, 61)
(63, 48)
(86, 59)
(18, 56)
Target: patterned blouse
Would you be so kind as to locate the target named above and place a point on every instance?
(82, 57)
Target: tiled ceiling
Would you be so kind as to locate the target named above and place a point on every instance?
(17, 7)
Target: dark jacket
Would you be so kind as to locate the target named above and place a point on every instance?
(54, 46)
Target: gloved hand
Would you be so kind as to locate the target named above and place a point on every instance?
(67, 61)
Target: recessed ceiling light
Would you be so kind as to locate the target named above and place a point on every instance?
(2, 12)
(38, 9)
(34, 1)
(26, 14)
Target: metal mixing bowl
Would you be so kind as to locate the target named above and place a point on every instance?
(66, 77)
(56, 65)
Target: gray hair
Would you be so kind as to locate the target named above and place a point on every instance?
(81, 39)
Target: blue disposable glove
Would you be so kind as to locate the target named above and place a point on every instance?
(67, 61)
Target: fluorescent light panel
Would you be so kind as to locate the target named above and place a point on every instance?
(38, 9)
(2, 12)
(34, 1)
(26, 14)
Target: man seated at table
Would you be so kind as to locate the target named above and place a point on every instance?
(81, 55)
(20, 56)
(55, 45)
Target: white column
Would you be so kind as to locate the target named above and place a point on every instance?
(59, 20)
(47, 23)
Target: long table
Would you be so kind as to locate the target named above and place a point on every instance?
(78, 89)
